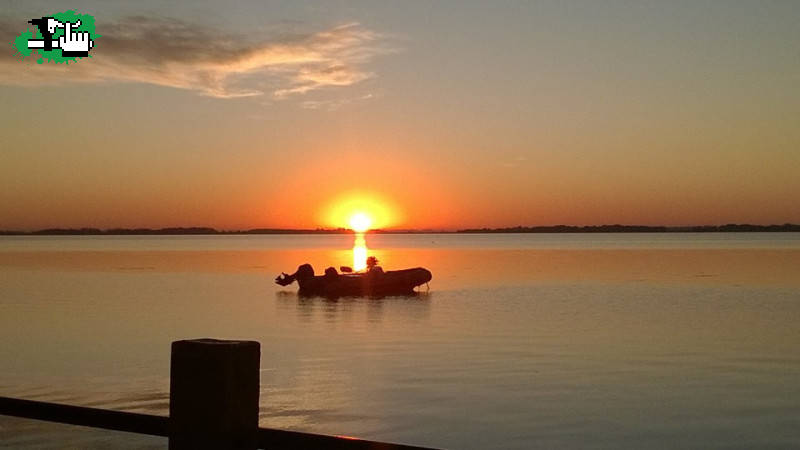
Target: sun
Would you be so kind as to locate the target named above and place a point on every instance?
(359, 211)
(360, 222)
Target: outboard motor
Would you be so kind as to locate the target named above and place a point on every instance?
(303, 273)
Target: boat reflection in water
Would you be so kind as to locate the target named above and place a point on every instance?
(360, 252)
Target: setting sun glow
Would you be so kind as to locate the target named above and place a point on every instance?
(360, 222)
(359, 211)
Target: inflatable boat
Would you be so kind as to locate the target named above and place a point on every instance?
(374, 283)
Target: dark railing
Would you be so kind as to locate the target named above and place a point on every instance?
(159, 426)
(215, 430)
(88, 417)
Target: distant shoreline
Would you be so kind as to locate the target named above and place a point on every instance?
(728, 228)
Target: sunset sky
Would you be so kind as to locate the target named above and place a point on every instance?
(426, 114)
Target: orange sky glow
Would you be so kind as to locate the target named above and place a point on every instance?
(480, 116)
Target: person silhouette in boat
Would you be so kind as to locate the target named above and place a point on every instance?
(331, 274)
(373, 267)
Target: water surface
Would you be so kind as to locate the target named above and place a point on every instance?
(534, 340)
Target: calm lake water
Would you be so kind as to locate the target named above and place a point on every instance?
(522, 341)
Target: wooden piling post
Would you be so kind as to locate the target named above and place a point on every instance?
(213, 398)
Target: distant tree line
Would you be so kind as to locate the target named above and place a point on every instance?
(637, 229)
(166, 231)
(520, 229)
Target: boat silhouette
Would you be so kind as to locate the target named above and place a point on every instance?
(372, 283)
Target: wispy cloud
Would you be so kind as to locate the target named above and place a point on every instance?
(179, 54)
(333, 105)
(516, 162)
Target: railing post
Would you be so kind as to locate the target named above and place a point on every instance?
(213, 398)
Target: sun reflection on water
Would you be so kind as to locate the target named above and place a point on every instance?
(360, 252)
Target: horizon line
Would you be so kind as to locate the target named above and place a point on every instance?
(607, 228)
